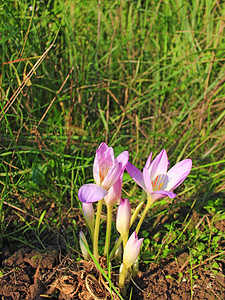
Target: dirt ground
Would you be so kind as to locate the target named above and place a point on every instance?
(32, 274)
(29, 273)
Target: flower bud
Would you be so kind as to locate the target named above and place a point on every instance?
(118, 253)
(123, 217)
(132, 249)
(88, 212)
(135, 268)
(83, 245)
(121, 268)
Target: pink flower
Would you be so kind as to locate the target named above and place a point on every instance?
(106, 171)
(123, 217)
(132, 249)
(156, 180)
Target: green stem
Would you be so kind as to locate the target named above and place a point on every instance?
(108, 229)
(133, 218)
(136, 212)
(125, 238)
(148, 205)
(92, 233)
(96, 230)
(122, 277)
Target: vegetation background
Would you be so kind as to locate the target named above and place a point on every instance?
(139, 75)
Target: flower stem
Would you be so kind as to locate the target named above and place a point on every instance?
(136, 212)
(96, 230)
(133, 218)
(122, 278)
(148, 205)
(108, 229)
(125, 238)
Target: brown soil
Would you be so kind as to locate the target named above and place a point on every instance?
(30, 273)
(164, 283)
(33, 274)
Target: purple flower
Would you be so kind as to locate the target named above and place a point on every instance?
(132, 249)
(106, 171)
(156, 180)
(123, 217)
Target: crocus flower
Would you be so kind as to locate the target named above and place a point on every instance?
(106, 171)
(83, 245)
(88, 212)
(123, 217)
(156, 180)
(132, 249)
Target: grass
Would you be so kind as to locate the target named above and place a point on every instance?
(139, 75)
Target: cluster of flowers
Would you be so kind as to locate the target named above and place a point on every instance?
(108, 171)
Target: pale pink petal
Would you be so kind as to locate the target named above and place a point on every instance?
(96, 170)
(103, 147)
(123, 217)
(112, 176)
(102, 150)
(162, 194)
(178, 173)
(149, 160)
(98, 161)
(132, 250)
(159, 165)
(91, 193)
(136, 175)
(123, 158)
(89, 215)
(109, 155)
(147, 180)
(114, 193)
(105, 159)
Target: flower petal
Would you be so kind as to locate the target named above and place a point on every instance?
(89, 214)
(123, 217)
(123, 158)
(104, 160)
(148, 162)
(103, 147)
(159, 165)
(131, 250)
(147, 180)
(96, 170)
(162, 194)
(112, 176)
(136, 175)
(114, 193)
(91, 193)
(178, 173)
